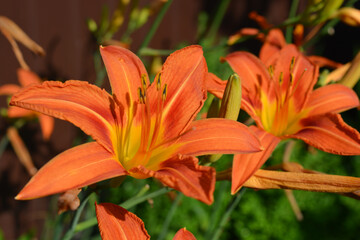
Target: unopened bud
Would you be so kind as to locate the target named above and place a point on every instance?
(231, 102)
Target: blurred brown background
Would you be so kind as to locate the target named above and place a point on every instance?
(60, 28)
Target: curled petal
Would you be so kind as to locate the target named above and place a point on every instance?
(218, 135)
(27, 77)
(329, 133)
(185, 175)
(245, 165)
(75, 168)
(125, 70)
(47, 125)
(70, 101)
(324, 62)
(9, 89)
(116, 222)
(265, 179)
(274, 41)
(16, 112)
(332, 98)
(184, 234)
(215, 85)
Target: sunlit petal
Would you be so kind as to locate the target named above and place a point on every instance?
(124, 69)
(27, 77)
(332, 98)
(116, 222)
(16, 112)
(71, 101)
(274, 41)
(75, 168)
(215, 85)
(217, 135)
(184, 72)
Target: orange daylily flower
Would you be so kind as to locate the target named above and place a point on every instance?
(27, 78)
(117, 223)
(140, 130)
(279, 96)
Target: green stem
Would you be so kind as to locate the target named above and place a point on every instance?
(127, 204)
(170, 216)
(154, 52)
(292, 13)
(217, 20)
(70, 233)
(155, 25)
(3, 144)
(226, 216)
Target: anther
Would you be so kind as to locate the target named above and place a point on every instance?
(141, 95)
(158, 82)
(281, 78)
(271, 71)
(164, 93)
(143, 81)
(292, 64)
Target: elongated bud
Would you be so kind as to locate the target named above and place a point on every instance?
(349, 16)
(352, 75)
(231, 103)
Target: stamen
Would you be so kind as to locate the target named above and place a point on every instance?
(158, 82)
(292, 63)
(281, 78)
(141, 95)
(271, 71)
(164, 93)
(143, 81)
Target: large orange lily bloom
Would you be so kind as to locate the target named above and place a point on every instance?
(117, 223)
(140, 130)
(280, 98)
(27, 78)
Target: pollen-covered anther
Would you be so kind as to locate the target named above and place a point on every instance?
(141, 95)
(164, 93)
(158, 82)
(281, 77)
(271, 71)
(292, 63)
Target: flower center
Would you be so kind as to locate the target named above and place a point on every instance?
(279, 115)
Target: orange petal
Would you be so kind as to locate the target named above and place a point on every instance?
(184, 72)
(274, 41)
(116, 222)
(185, 175)
(332, 98)
(124, 69)
(78, 102)
(245, 165)
(27, 77)
(9, 89)
(184, 234)
(253, 75)
(215, 85)
(218, 135)
(324, 62)
(17, 112)
(330, 133)
(265, 179)
(75, 168)
(47, 125)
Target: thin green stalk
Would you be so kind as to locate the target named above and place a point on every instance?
(216, 208)
(170, 216)
(70, 233)
(3, 144)
(292, 13)
(154, 52)
(217, 20)
(226, 216)
(155, 25)
(127, 204)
